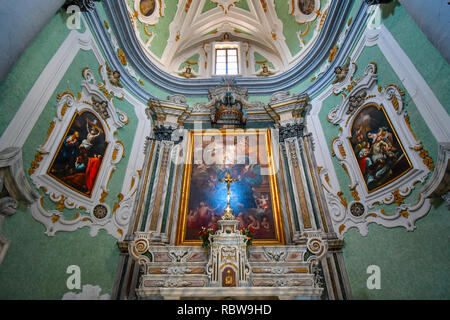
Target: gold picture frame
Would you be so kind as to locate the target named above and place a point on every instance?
(181, 228)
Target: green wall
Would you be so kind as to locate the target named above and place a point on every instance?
(413, 264)
(35, 264)
(28, 68)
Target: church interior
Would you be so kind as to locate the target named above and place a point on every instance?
(224, 149)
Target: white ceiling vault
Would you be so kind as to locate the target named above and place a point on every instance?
(175, 34)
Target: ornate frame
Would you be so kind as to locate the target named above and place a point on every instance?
(299, 15)
(64, 196)
(158, 12)
(359, 94)
(184, 199)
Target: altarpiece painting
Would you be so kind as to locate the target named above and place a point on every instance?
(247, 156)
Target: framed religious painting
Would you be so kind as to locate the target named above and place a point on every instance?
(77, 159)
(380, 154)
(247, 156)
(378, 150)
(80, 154)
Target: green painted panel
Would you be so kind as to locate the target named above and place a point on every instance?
(413, 265)
(192, 61)
(208, 6)
(28, 68)
(35, 264)
(425, 57)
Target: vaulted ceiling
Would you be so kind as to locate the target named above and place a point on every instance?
(177, 33)
(300, 41)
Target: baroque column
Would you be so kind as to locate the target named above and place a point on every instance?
(152, 218)
(308, 208)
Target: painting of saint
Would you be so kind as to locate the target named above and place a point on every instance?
(379, 153)
(78, 159)
(306, 6)
(147, 7)
(251, 195)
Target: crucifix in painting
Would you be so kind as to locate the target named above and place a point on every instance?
(228, 210)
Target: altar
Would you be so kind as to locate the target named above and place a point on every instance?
(231, 211)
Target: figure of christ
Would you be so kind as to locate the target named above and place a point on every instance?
(92, 134)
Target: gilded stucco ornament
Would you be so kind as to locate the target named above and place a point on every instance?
(304, 10)
(81, 142)
(384, 161)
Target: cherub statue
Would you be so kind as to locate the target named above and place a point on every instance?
(113, 76)
(341, 72)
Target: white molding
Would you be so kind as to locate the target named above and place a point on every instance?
(38, 97)
(14, 188)
(31, 109)
(67, 108)
(432, 111)
(190, 28)
(427, 104)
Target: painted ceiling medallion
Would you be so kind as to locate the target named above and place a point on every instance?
(306, 6)
(304, 10)
(147, 7)
(149, 11)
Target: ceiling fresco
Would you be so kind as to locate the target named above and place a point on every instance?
(176, 35)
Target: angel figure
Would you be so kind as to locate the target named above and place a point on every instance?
(187, 73)
(341, 72)
(265, 71)
(113, 76)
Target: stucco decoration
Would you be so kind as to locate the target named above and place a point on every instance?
(14, 188)
(63, 192)
(195, 31)
(304, 10)
(370, 165)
